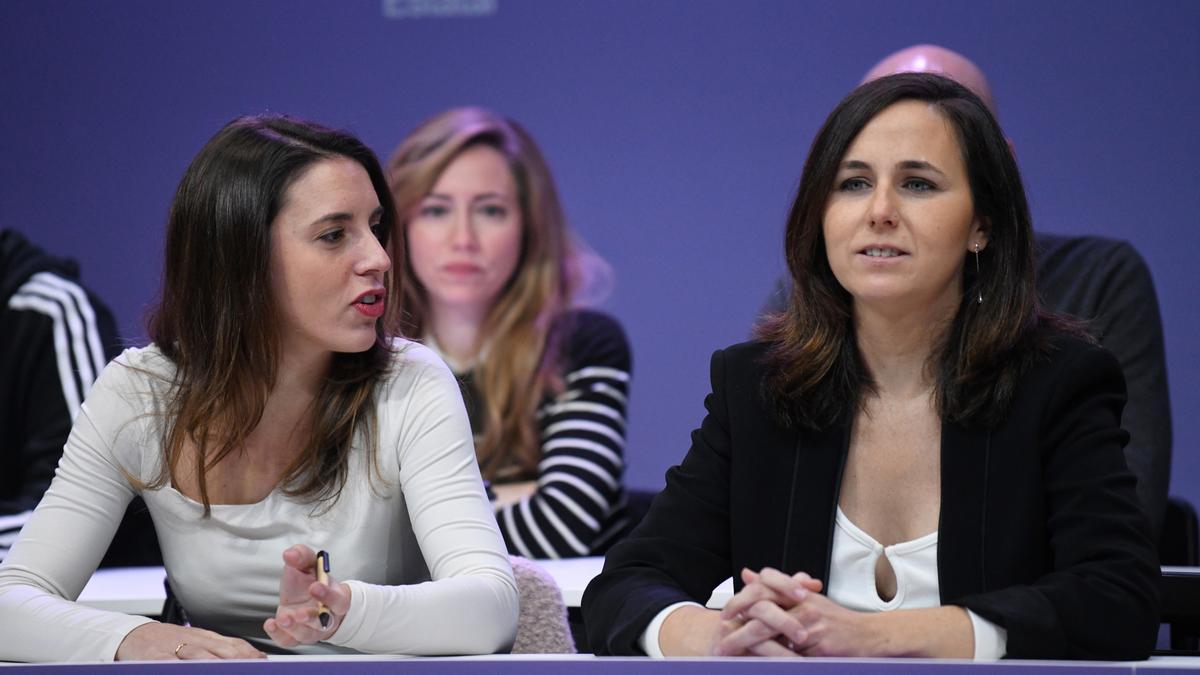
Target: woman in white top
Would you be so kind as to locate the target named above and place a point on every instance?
(913, 459)
(271, 419)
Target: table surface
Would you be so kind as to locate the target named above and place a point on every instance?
(590, 665)
(139, 590)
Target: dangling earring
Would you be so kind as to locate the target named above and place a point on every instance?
(978, 280)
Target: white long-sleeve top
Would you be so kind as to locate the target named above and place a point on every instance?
(418, 545)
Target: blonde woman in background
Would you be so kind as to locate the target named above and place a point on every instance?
(490, 278)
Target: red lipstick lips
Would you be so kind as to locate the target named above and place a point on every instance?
(371, 303)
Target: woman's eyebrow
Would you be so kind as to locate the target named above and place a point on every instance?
(918, 164)
(335, 217)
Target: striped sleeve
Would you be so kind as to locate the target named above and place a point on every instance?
(579, 502)
(64, 338)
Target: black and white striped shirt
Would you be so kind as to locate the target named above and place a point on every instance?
(578, 508)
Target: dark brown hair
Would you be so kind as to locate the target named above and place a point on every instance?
(818, 375)
(216, 318)
(525, 327)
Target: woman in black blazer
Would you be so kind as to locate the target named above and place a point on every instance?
(914, 458)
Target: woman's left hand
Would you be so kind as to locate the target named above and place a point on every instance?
(296, 619)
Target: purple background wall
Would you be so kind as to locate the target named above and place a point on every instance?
(676, 128)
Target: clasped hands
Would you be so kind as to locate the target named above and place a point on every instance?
(777, 614)
(295, 621)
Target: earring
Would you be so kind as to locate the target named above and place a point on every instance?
(978, 280)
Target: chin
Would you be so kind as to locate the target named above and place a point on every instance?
(356, 344)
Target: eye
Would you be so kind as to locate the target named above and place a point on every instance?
(433, 211)
(380, 231)
(853, 184)
(918, 185)
(496, 211)
(333, 236)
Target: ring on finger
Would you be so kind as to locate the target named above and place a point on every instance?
(180, 646)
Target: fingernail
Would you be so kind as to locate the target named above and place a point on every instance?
(800, 593)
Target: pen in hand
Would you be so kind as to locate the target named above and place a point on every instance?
(323, 577)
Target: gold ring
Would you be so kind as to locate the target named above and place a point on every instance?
(181, 646)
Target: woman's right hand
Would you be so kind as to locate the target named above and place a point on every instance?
(165, 642)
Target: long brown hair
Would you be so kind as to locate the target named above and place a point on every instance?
(216, 319)
(525, 327)
(818, 376)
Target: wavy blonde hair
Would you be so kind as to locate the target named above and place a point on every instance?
(525, 328)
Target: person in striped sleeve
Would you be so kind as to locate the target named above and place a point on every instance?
(493, 280)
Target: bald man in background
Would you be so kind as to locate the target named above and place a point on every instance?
(1102, 281)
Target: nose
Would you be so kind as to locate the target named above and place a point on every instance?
(883, 207)
(462, 233)
(374, 257)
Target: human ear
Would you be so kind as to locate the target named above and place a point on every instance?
(978, 240)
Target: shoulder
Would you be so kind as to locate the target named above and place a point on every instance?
(741, 370)
(412, 354)
(413, 366)
(139, 367)
(1065, 353)
(1087, 256)
(742, 361)
(1066, 367)
(594, 339)
(126, 408)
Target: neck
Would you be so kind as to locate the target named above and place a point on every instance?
(896, 347)
(287, 412)
(299, 375)
(457, 332)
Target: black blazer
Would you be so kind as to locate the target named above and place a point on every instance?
(1040, 530)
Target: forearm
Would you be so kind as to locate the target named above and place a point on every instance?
(40, 626)
(939, 632)
(474, 614)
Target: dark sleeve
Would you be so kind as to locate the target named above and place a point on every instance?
(681, 549)
(38, 417)
(57, 338)
(1099, 601)
(583, 447)
(1128, 324)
